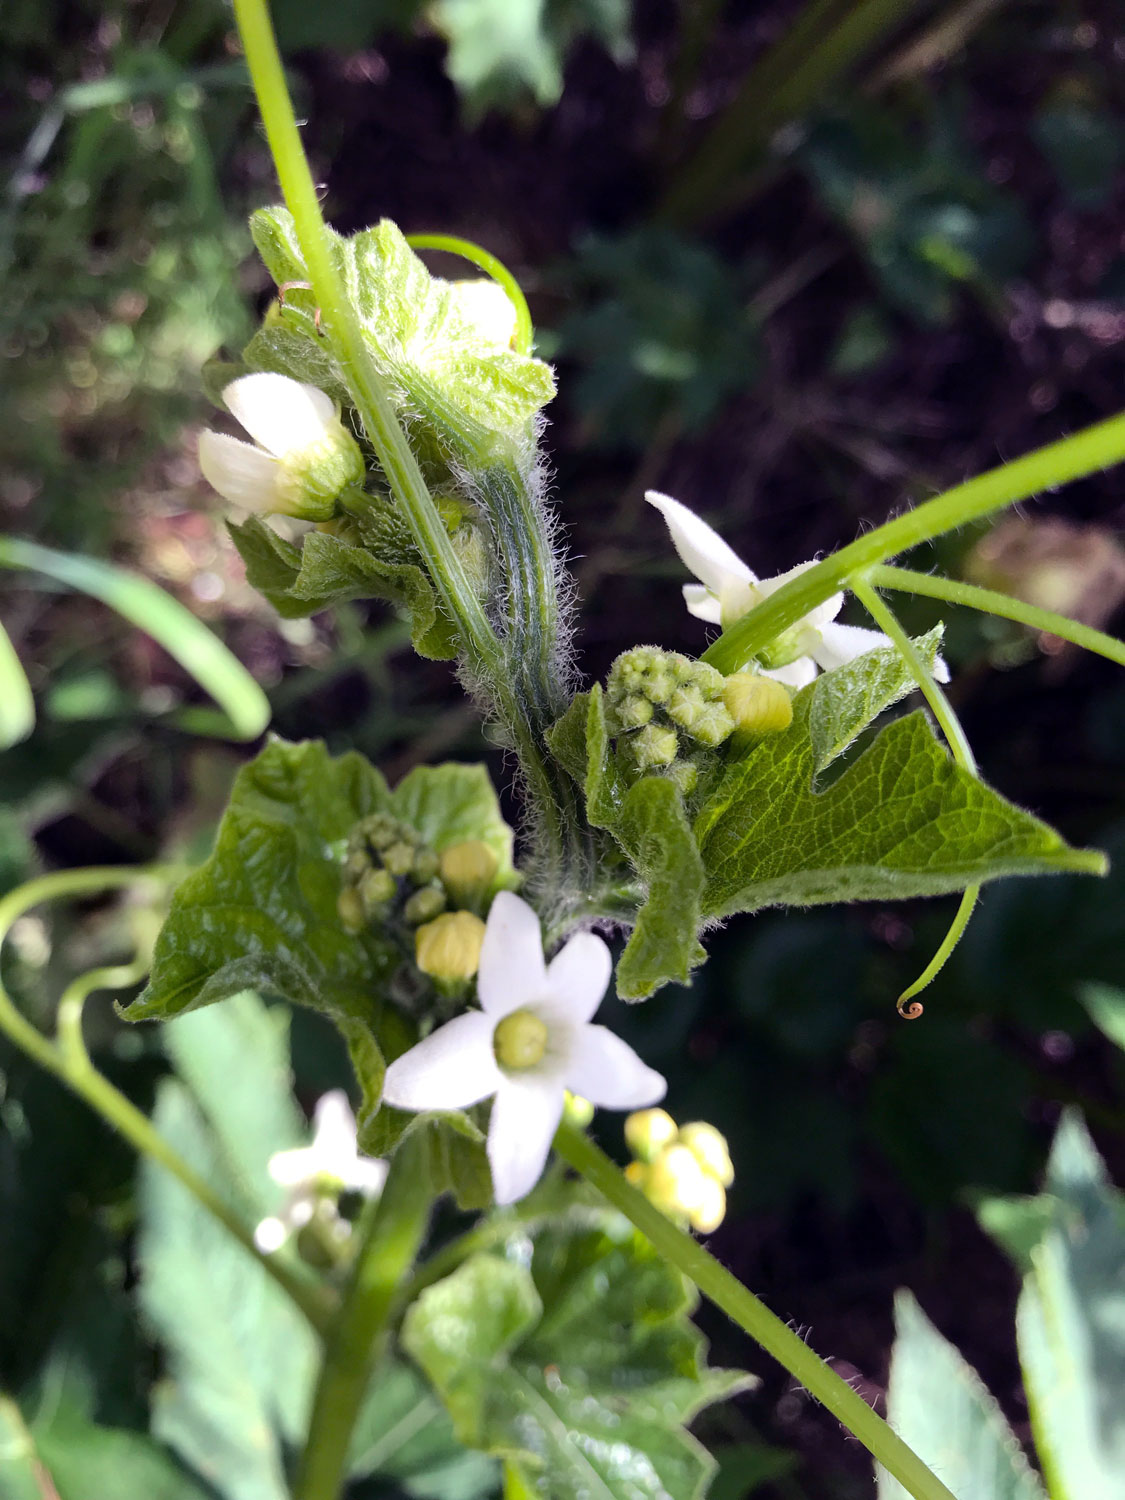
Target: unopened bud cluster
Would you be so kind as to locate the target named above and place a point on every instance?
(664, 708)
(392, 876)
(684, 1170)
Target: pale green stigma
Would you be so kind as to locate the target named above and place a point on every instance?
(520, 1040)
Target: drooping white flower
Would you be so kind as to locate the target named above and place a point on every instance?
(486, 306)
(728, 589)
(529, 1043)
(319, 1172)
(302, 456)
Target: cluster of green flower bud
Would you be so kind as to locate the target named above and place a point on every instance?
(391, 876)
(664, 708)
(386, 864)
(684, 1170)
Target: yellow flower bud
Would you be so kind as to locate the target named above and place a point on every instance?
(677, 1184)
(710, 1211)
(636, 1173)
(577, 1111)
(758, 705)
(449, 947)
(467, 869)
(648, 1131)
(709, 1147)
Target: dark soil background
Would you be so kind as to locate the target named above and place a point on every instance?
(831, 363)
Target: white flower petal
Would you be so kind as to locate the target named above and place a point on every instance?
(246, 476)
(488, 308)
(367, 1174)
(577, 979)
(839, 644)
(817, 617)
(334, 1132)
(512, 971)
(606, 1070)
(293, 1168)
(270, 1235)
(525, 1115)
(702, 603)
(453, 1068)
(283, 415)
(701, 548)
(795, 674)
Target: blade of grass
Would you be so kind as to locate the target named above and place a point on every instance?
(197, 649)
(17, 706)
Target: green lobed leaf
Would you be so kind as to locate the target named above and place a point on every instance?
(580, 1369)
(937, 1403)
(1070, 1325)
(448, 371)
(902, 821)
(328, 570)
(845, 701)
(261, 913)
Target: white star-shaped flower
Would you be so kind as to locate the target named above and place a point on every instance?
(330, 1165)
(302, 456)
(728, 589)
(529, 1043)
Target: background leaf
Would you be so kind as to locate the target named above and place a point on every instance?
(937, 1403)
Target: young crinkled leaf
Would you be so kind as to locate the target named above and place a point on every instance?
(262, 913)
(449, 366)
(580, 1370)
(903, 821)
(327, 570)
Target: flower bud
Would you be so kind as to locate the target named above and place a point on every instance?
(709, 1147)
(633, 712)
(424, 905)
(398, 858)
(711, 1208)
(350, 908)
(653, 747)
(683, 774)
(376, 888)
(676, 1183)
(577, 1111)
(758, 705)
(467, 870)
(425, 867)
(712, 726)
(448, 948)
(648, 1131)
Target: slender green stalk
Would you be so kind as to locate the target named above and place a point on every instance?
(486, 656)
(70, 1063)
(906, 580)
(1046, 468)
(391, 1237)
(197, 649)
(485, 261)
(909, 1007)
(727, 1292)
